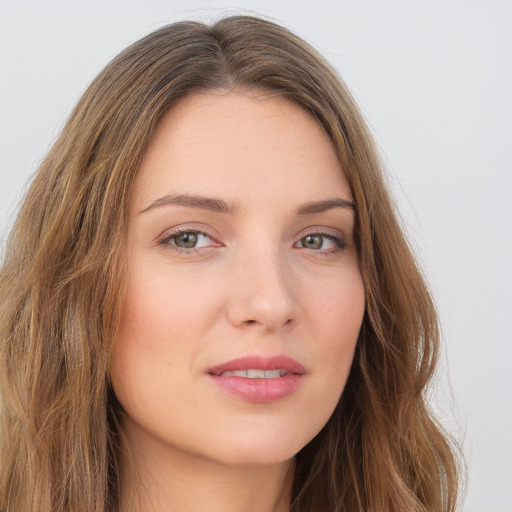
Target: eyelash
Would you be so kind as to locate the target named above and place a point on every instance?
(338, 240)
(166, 239)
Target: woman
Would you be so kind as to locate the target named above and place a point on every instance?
(207, 300)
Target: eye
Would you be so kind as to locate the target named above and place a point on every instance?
(188, 239)
(322, 241)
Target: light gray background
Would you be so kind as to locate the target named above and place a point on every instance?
(434, 80)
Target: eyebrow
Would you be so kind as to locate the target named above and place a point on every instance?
(325, 205)
(220, 206)
(193, 201)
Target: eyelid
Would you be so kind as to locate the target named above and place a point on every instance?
(332, 233)
(164, 238)
(321, 230)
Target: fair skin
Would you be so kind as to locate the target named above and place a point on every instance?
(240, 245)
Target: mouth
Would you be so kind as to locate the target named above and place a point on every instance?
(259, 379)
(259, 367)
(253, 373)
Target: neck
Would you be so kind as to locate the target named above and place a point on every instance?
(168, 480)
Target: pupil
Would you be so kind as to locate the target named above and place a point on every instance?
(187, 240)
(314, 242)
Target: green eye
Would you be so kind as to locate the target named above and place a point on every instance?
(312, 241)
(186, 240)
(320, 241)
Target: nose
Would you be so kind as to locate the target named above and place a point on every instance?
(263, 294)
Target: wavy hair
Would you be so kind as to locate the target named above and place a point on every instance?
(63, 278)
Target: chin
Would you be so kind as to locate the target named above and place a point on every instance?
(255, 458)
(260, 451)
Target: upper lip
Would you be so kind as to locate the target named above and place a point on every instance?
(256, 362)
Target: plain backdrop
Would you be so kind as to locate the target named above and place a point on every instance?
(434, 80)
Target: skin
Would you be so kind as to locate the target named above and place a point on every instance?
(254, 284)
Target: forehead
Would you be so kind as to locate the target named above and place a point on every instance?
(237, 145)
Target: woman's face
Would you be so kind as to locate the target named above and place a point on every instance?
(244, 298)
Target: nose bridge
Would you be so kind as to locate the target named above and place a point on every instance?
(264, 292)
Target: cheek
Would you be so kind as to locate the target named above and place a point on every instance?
(164, 305)
(337, 315)
(166, 320)
(337, 309)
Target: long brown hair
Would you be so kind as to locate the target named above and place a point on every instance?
(61, 287)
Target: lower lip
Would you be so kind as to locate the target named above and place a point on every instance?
(259, 390)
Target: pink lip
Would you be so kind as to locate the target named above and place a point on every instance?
(258, 362)
(259, 390)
